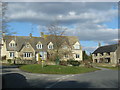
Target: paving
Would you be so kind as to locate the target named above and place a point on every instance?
(15, 78)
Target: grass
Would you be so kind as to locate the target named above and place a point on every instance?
(56, 69)
(113, 68)
(108, 66)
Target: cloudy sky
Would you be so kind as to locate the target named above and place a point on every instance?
(92, 22)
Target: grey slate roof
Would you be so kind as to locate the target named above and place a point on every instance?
(22, 40)
(108, 48)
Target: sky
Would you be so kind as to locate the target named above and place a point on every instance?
(91, 22)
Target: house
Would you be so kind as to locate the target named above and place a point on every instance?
(107, 54)
(32, 48)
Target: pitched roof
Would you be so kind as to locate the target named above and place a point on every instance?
(22, 40)
(108, 48)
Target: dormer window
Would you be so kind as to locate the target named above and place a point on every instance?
(50, 45)
(27, 45)
(65, 47)
(76, 45)
(39, 46)
(12, 43)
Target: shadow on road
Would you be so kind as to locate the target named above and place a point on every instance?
(14, 80)
(4, 71)
(62, 84)
(72, 84)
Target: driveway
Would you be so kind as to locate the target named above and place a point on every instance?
(15, 78)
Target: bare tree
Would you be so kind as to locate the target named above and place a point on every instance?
(4, 19)
(56, 35)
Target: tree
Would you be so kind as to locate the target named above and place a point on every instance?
(90, 56)
(56, 33)
(85, 56)
(4, 19)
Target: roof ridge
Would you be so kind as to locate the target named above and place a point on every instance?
(23, 36)
(108, 45)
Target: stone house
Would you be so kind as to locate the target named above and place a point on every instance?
(107, 54)
(33, 48)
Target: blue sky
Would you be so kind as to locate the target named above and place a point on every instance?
(89, 21)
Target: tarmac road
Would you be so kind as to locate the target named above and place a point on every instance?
(15, 78)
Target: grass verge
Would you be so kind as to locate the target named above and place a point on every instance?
(56, 69)
(113, 68)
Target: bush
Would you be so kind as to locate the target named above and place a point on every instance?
(9, 60)
(88, 64)
(73, 62)
(64, 63)
(3, 57)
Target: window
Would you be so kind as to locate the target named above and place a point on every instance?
(66, 56)
(12, 54)
(95, 54)
(27, 45)
(76, 46)
(77, 56)
(65, 47)
(39, 46)
(50, 46)
(12, 44)
(102, 54)
(108, 53)
(27, 54)
(119, 61)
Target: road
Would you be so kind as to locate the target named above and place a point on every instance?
(15, 78)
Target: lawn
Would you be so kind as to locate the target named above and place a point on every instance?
(56, 69)
(113, 68)
(108, 66)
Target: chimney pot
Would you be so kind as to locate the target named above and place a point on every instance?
(30, 34)
(42, 34)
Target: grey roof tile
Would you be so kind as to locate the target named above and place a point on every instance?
(22, 40)
(108, 48)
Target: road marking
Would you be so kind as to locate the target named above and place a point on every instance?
(59, 80)
(36, 74)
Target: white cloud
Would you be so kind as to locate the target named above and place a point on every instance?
(72, 13)
(61, 1)
(87, 18)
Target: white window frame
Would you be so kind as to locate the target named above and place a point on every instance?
(65, 47)
(12, 44)
(77, 55)
(76, 46)
(11, 54)
(27, 54)
(39, 46)
(66, 55)
(50, 46)
(27, 45)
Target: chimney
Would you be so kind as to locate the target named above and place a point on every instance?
(99, 44)
(119, 42)
(42, 34)
(3, 33)
(30, 35)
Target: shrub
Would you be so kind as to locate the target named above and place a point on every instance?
(64, 63)
(4, 57)
(73, 62)
(18, 58)
(88, 64)
(9, 60)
